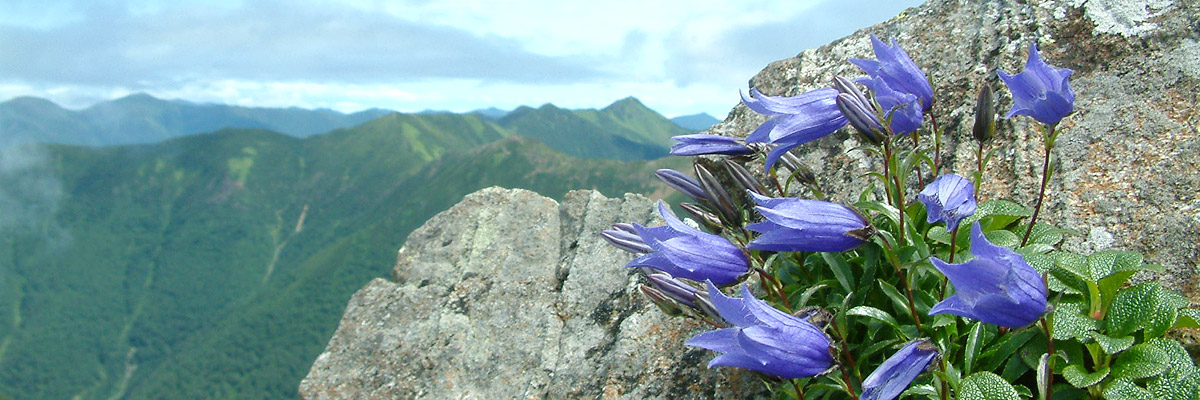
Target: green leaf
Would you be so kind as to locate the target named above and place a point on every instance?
(1072, 271)
(1112, 345)
(1008, 344)
(898, 300)
(1178, 358)
(1142, 361)
(1072, 322)
(1005, 213)
(876, 314)
(1079, 377)
(972, 348)
(986, 386)
(1124, 389)
(1188, 318)
(1003, 238)
(1169, 387)
(1146, 306)
(840, 269)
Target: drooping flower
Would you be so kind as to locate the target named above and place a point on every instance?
(795, 120)
(1040, 91)
(901, 109)
(807, 225)
(997, 287)
(898, 371)
(861, 118)
(764, 339)
(686, 252)
(897, 71)
(948, 199)
(700, 143)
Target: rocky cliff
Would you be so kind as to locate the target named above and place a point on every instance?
(510, 295)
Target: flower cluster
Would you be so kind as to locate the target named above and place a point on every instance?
(844, 284)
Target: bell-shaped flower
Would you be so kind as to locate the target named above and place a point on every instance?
(794, 224)
(948, 199)
(686, 252)
(764, 339)
(794, 120)
(898, 71)
(902, 110)
(997, 287)
(700, 143)
(1040, 91)
(898, 371)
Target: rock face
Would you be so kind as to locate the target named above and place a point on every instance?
(1127, 160)
(510, 295)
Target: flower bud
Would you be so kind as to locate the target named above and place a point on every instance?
(623, 240)
(661, 300)
(743, 177)
(674, 288)
(847, 86)
(799, 170)
(720, 199)
(865, 122)
(985, 115)
(705, 217)
(683, 183)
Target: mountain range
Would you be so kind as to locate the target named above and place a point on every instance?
(141, 118)
(216, 265)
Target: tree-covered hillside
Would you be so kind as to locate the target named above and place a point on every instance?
(217, 265)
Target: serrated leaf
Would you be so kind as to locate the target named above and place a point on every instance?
(1124, 389)
(1110, 344)
(1079, 377)
(998, 208)
(1180, 361)
(1139, 362)
(876, 314)
(1072, 322)
(1146, 306)
(986, 386)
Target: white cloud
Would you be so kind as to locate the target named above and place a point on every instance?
(408, 55)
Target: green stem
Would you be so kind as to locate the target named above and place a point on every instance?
(1049, 144)
(937, 146)
(979, 178)
(912, 305)
(1050, 361)
(920, 174)
(899, 193)
(799, 391)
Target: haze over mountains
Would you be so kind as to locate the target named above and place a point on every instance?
(141, 118)
(217, 264)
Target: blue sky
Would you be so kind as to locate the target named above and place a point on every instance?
(678, 57)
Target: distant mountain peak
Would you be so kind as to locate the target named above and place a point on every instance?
(626, 103)
(696, 122)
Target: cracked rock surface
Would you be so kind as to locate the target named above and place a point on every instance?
(512, 295)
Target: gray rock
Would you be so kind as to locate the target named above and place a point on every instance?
(1126, 161)
(511, 295)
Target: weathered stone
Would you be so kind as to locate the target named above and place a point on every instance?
(1126, 161)
(511, 295)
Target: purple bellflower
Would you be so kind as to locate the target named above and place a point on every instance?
(949, 199)
(764, 339)
(997, 287)
(896, 70)
(795, 120)
(807, 225)
(686, 252)
(699, 144)
(898, 371)
(902, 109)
(1040, 91)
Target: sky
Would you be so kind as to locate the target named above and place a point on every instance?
(678, 57)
